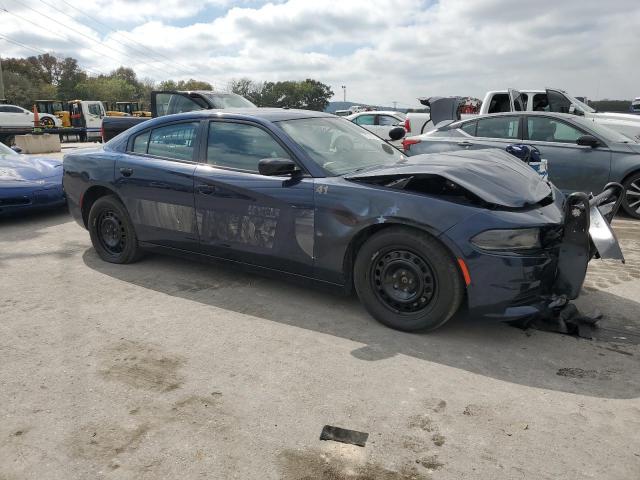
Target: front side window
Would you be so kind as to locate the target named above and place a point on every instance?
(387, 121)
(499, 127)
(365, 120)
(241, 146)
(94, 109)
(173, 141)
(545, 129)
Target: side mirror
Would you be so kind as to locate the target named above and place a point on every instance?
(16, 149)
(575, 110)
(397, 133)
(277, 166)
(588, 141)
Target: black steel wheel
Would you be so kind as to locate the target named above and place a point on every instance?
(112, 232)
(631, 199)
(403, 280)
(407, 279)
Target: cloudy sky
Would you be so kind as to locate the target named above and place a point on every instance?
(382, 50)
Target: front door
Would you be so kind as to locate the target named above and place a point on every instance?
(571, 167)
(154, 178)
(248, 217)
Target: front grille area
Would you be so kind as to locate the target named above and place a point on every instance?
(14, 201)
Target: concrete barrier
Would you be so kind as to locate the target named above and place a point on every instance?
(45, 143)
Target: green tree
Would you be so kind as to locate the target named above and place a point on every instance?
(107, 89)
(307, 94)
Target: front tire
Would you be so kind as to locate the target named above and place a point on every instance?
(631, 199)
(407, 280)
(112, 233)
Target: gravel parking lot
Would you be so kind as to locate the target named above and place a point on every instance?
(173, 369)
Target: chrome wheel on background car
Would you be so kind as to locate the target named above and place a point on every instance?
(112, 233)
(47, 122)
(402, 280)
(631, 200)
(407, 279)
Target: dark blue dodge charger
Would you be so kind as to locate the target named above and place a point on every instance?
(310, 195)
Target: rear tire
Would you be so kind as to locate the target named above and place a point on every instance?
(631, 199)
(112, 233)
(407, 280)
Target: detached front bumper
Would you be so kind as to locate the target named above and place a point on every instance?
(509, 286)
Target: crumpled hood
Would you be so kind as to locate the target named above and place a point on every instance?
(18, 170)
(492, 174)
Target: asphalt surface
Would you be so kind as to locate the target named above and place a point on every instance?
(173, 369)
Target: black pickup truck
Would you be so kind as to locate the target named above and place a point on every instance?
(167, 102)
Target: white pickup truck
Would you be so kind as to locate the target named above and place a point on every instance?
(547, 100)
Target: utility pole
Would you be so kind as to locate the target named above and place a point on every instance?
(344, 93)
(1, 83)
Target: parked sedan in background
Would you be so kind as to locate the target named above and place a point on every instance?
(28, 183)
(15, 116)
(581, 154)
(379, 122)
(309, 195)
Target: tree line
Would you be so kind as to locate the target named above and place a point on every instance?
(45, 77)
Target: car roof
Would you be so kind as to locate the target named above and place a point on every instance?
(263, 113)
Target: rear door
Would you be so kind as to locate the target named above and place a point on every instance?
(154, 178)
(248, 217)
(571, 167)
(492, 132)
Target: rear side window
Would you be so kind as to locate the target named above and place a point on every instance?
(173, 141)
(500, 103)
(241, 146)
(140, 143)
(499, 127)
(469, 128)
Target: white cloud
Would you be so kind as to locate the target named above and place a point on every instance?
(383, 50)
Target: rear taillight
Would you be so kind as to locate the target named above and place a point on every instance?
(407, 142)
(407, 125)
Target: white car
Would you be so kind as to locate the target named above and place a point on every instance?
(379, 122)
(14, 116)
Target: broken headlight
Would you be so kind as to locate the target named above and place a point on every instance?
(513, 239)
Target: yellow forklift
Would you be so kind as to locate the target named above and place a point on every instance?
(55, 107)
(126, 109)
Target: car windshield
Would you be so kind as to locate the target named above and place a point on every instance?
(229, 100)
(4, 150)
(605, 132)
(341, 147)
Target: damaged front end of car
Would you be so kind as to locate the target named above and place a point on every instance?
(526, 246)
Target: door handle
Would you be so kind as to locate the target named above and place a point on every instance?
(126, 172)
(205, 189)
(465, 144)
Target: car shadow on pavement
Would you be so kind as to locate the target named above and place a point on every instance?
(533, 358)
(30, 225)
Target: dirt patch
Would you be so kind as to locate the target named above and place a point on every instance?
(423, 422)
(316, 465)
(142, 366)
(431, 462)
(577, 373)
(103, 444)
(438, 439)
